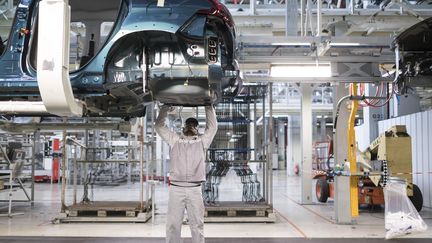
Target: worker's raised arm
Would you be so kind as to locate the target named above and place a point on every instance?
(166, 134)
(211, 126)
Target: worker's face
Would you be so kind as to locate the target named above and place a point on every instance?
(190, 130)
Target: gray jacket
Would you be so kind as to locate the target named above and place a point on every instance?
(187, 153)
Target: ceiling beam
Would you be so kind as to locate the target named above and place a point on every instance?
(334, 41)
(315, 80)
(270, 19)
(266, 61)
(276, 10)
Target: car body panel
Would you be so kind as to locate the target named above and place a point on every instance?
(150, 54)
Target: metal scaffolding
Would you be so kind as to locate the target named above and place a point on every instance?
(235, 149)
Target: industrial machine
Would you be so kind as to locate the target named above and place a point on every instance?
(388, 156)
(414, 52)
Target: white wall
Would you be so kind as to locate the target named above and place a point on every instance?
(419, 126)
(362, 138)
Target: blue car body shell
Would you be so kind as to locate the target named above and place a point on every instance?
(179, 54)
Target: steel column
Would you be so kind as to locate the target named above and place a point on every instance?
(302, 17)
(319, 18)
(271, 146)
(342, 184)
(291, 19)
(289, 150)
(252, 7)
(36, 142)
(141, 134)
(63, 173)
(75, 174)
(306, 142)
(265, 172)
(130, 152)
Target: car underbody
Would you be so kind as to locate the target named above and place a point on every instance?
(180, 54)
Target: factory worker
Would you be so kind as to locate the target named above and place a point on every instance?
(187, 172)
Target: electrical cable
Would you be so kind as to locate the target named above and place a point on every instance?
(373, 101)
(362, 91)
(387, 100)
(352, 97)
(395, 81)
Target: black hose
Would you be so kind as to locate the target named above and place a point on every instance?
(337, 111)
(351, 97)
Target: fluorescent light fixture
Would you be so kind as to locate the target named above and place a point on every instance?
(344, 44)
(291, 44)
(300, 71)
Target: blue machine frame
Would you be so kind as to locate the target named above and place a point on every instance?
(183, 53)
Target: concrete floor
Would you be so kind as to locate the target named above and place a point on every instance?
(294, 221)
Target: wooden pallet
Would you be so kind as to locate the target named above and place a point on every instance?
(109, 211)
(239, 212)
(104, 209)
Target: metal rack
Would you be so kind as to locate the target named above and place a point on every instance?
(14, 151)
(89, 160)
(234, 149)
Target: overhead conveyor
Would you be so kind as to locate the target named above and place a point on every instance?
(53, 59)
(53, 66)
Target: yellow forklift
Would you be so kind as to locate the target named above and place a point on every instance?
(388, 156)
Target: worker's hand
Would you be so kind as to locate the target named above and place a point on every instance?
(168, 108)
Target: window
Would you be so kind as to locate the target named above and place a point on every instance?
(196, 27)
(88, 31)
(105, 30)
(7, 13)
(77, 38)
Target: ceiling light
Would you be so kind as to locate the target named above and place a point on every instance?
(287, 71)
(291, 44)
(344, 44)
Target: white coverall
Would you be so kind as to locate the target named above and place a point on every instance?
(187, 172)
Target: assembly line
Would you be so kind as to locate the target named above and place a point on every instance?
(215, 121)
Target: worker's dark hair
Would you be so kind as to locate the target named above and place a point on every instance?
(191, 121)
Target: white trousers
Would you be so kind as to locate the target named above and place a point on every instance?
(181, 198)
